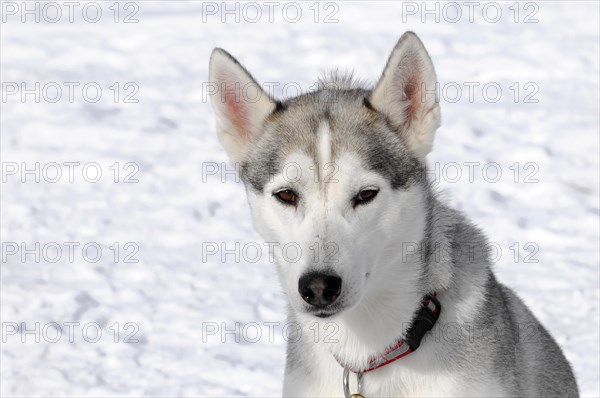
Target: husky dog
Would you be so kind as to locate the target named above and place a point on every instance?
(386, 268)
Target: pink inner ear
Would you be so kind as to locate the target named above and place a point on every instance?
(409, 70)
(235, 106)
(412, 92)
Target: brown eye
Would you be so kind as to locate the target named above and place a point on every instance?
(287, 196)
(365, 196)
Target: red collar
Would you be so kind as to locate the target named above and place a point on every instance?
(426, 317)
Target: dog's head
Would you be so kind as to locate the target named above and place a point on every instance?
(335, 177)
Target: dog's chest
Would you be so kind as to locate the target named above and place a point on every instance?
(410, 378)
(375, 384)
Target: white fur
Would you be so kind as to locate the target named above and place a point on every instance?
(326, 216)
(371, 238)
(380, 278)
(324, 153)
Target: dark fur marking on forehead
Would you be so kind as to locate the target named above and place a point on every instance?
(256, 174)
(368, 105)
(401, 169)
(279, 107)
(356, 127)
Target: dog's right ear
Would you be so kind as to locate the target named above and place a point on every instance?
(240, 104)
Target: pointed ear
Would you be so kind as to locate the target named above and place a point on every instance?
(407, 94)
(240, 104)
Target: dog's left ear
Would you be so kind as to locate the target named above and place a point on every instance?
(407, 94)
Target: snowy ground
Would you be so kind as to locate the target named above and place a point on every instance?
(160, 291)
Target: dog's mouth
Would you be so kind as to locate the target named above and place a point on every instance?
(325, 312)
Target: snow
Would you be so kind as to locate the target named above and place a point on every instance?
(195, 315)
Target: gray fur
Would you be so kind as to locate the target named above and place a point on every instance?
(355, 125)
(504, 342)
(506, 339)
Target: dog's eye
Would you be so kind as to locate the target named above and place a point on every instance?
(287, 196)
(365, 196)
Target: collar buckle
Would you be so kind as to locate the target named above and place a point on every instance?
(424, 321)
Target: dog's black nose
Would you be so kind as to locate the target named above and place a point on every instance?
(319, 290)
